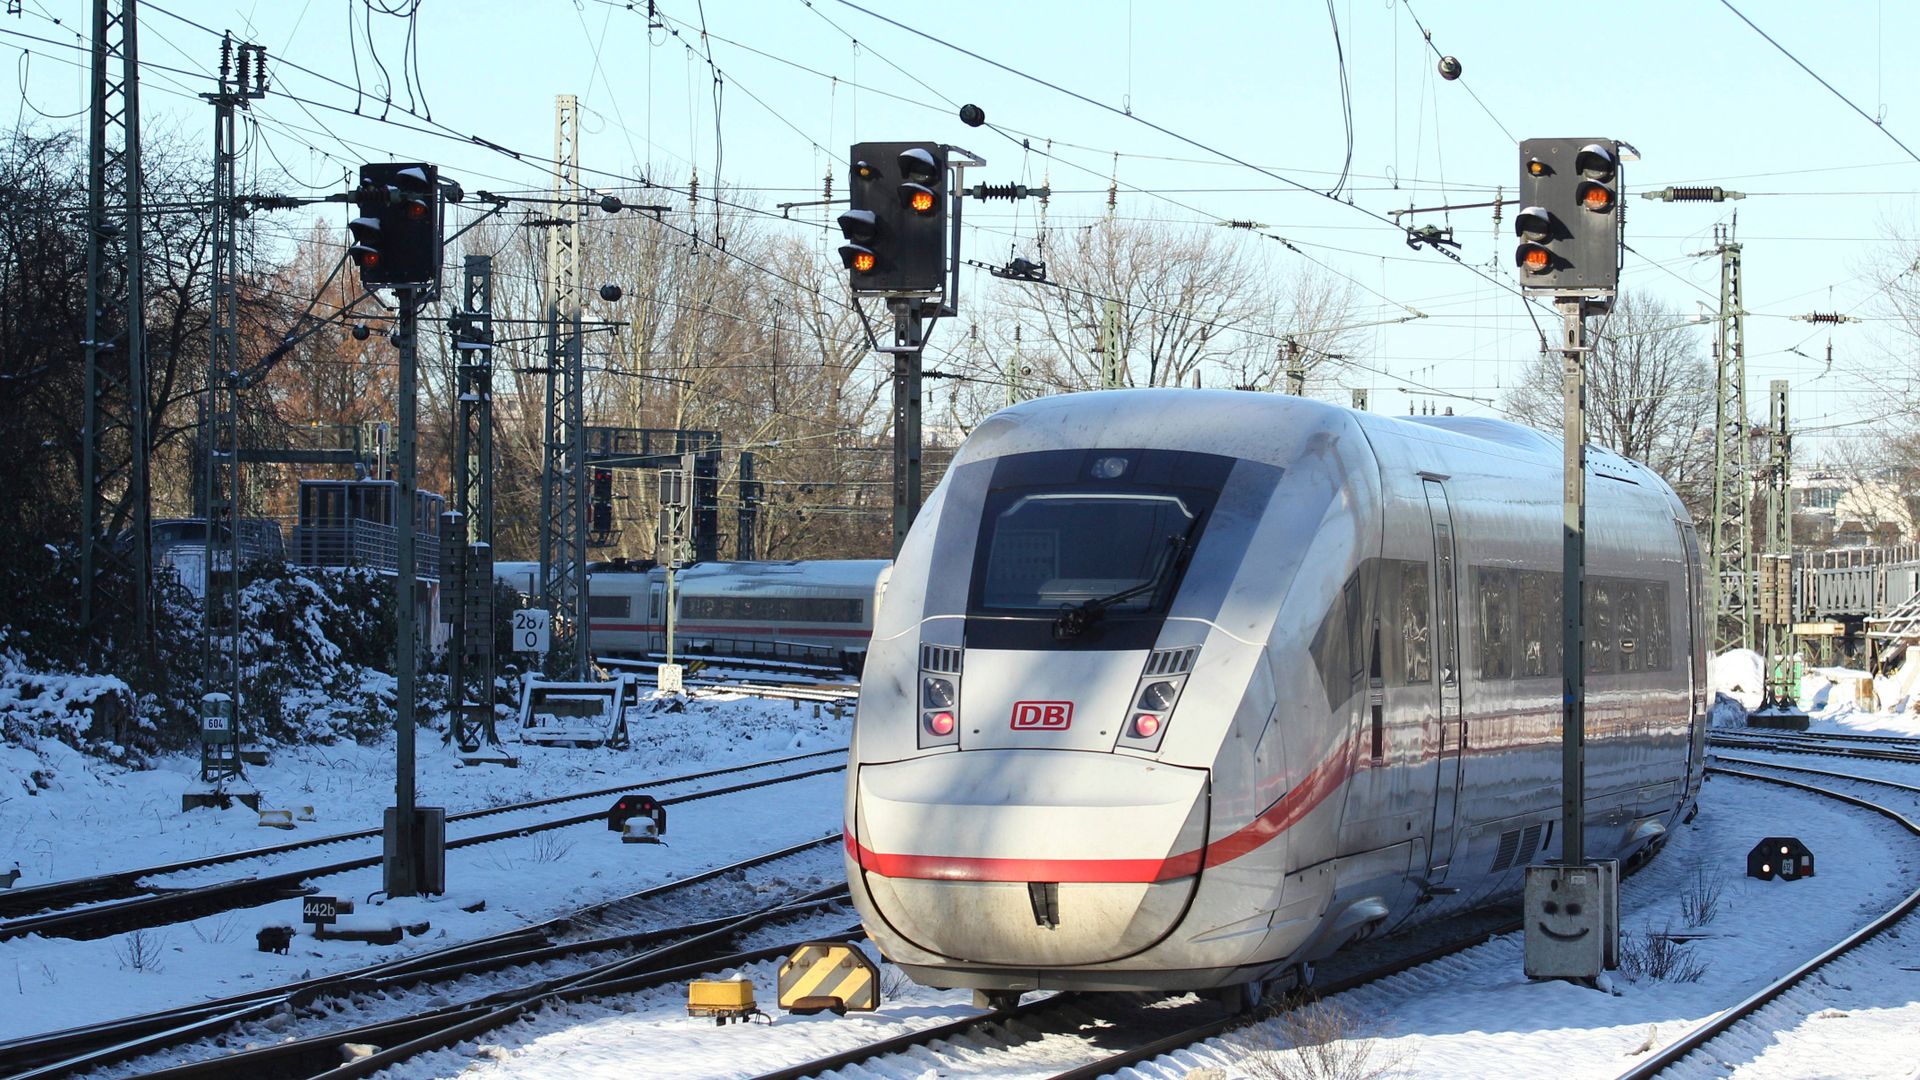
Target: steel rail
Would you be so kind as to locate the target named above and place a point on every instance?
(38, 898)
(399, 1040)
(92, 1046)
(169, 907)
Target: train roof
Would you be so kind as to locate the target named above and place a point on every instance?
(1240, 423)
(860, 573)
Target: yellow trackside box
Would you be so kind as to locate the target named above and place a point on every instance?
(721, 999)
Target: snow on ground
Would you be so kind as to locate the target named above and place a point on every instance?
(1471, 1015)
(95, 818)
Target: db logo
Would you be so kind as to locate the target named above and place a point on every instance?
(1042, 715)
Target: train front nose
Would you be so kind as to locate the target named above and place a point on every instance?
(1029, 857)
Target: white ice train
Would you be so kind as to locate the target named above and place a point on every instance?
(814, 611)
(1181, 689)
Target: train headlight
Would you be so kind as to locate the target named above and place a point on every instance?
(936, 694)
(1158, 696)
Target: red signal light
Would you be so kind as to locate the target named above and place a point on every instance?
(1536, 260)
(1596, 198)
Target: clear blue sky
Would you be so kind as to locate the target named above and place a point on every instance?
(1703, 97)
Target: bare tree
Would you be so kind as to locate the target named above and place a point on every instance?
(1181, 293)
(1650, 394)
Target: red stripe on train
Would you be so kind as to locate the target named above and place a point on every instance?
(711, 628)
(1286, 811)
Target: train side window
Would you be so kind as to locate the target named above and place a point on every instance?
(1600, 626)
(653, 606)
(1659, 628)
(1540, 641)
(608, 607)
(1356, 626)
(1627, 602)
(1375, 698)
(1416, 611)
(1494, 590)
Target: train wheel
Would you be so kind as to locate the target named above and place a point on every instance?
(1243, 997)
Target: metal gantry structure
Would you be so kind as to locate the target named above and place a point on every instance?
(1776, 579)
(1730, 555)
(563, 477)
(242, 79)
(466, 565)
(114, 456)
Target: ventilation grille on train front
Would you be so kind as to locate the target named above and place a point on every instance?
(1172, 661)
(1517, 846)
(941, 658)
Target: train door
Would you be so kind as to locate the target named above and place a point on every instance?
(1696, 653)
(1446, 647)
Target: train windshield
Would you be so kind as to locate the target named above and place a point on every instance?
(1049, 550)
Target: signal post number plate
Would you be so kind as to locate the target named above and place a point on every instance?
(532, 630)
(1042, 715)
(319, 909)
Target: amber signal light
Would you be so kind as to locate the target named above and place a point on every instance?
(922, 202)
(863, 262)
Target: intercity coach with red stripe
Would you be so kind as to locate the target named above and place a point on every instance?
(1178, 689)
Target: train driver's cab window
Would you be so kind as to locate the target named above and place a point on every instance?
(1051, 549)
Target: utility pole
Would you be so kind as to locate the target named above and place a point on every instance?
(1730, 552)
(408, 865)
(242, 79)
(909, 344)
(563, 496)
(114, 453)
(1296, 375)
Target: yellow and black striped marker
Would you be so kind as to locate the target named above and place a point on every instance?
(822, 975)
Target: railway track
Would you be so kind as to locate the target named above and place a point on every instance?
(1148, 1024)
(115, 903)
(617, 946)
(837, 691)
(1876, 748)
(1765, 1010)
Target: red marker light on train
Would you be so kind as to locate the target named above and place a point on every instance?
(1144, 725)
(940, 723)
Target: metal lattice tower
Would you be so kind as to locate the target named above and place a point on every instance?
(467, 530)
(114, 458)
(220, 415)
(1730, 553)
(563, 480)
(1776, 610)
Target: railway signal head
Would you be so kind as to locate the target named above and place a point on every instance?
(396, 235)
(896, 221)
(1569, 225)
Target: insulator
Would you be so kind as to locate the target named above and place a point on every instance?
(1697, 194)
(1825, 317)
(1000, 191)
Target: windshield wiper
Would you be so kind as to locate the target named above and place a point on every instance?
(1074, 619)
